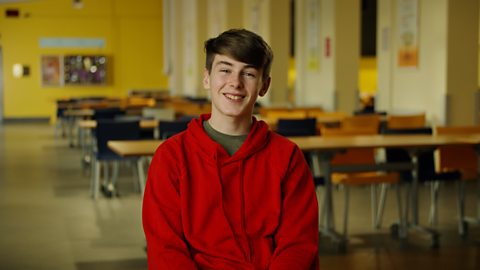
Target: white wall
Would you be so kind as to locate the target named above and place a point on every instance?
(442, 26)
(420, 89)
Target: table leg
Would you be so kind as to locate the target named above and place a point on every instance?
(328, 226)
(414, 224)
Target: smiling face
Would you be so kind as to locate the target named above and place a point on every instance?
(234, 87)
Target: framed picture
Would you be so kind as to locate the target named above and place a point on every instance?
(407, 33)
(85, 69)
(52, 70)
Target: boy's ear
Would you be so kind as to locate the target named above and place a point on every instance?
(206, 79)
(265, 87)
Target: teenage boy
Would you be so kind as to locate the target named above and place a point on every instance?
(228, 193)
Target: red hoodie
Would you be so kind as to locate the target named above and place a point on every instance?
(204, 209)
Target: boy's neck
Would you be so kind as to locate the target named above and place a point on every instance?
(231, 125)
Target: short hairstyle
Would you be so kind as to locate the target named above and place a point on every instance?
(241, 45)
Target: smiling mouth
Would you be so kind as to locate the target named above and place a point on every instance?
(233, 97)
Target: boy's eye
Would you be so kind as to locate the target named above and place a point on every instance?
(249, 74)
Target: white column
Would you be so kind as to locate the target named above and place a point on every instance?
(327, 51)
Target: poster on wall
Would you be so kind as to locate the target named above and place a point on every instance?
(52, 70)
(313, 36)
(407, 33)
(85, 69)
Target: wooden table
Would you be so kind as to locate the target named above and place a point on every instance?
(144, 123)
(135, 148)
(325, 148)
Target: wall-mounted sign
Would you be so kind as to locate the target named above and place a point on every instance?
(52, 70)
(407, 33)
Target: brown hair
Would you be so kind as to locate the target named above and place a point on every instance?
(242, 45)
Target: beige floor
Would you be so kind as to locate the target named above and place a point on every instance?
(48, 220)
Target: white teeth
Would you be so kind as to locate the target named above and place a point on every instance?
(233, 97)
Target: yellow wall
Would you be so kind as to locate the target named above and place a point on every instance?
(133, 44)
(367, 77)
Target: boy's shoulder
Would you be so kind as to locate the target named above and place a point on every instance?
(277, 138)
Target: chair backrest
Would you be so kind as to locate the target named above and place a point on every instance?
(127, 118)
(361, 112)
(462, 158)
(328, 118)
(107, 130)
(426, 160)
(406, 121)
(273, 116)
(297, 127)
(159, 113)
(188, 107)
(362, 122)
(166, 129)
(107, 113)
(351, 156)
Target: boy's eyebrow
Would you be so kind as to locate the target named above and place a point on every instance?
(224, 63)
(230, 64)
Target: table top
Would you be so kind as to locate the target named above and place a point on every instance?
(380, 141)
(319, 143)
(91, 124)
(79, 112)
(134, 148)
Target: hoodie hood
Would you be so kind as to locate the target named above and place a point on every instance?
(197, 138)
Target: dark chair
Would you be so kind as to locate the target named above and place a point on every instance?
(61, 121)
(167, 129)
(145, 133)
(187, 118)
(107, 130)
(361, 112)
(107, 113)
(297, 127)
(426, 171)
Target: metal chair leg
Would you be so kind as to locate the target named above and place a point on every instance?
(105, 174)
(96, 178)
(381, 205)
(141, 175)
(462, 230)
(402, 212)
(373, 204)
(113, 181)
(433, 216)
(322, 206)
(345, 212)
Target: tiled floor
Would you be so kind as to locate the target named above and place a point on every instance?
(48, 220)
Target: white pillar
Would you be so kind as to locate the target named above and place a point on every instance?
(327, 52)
